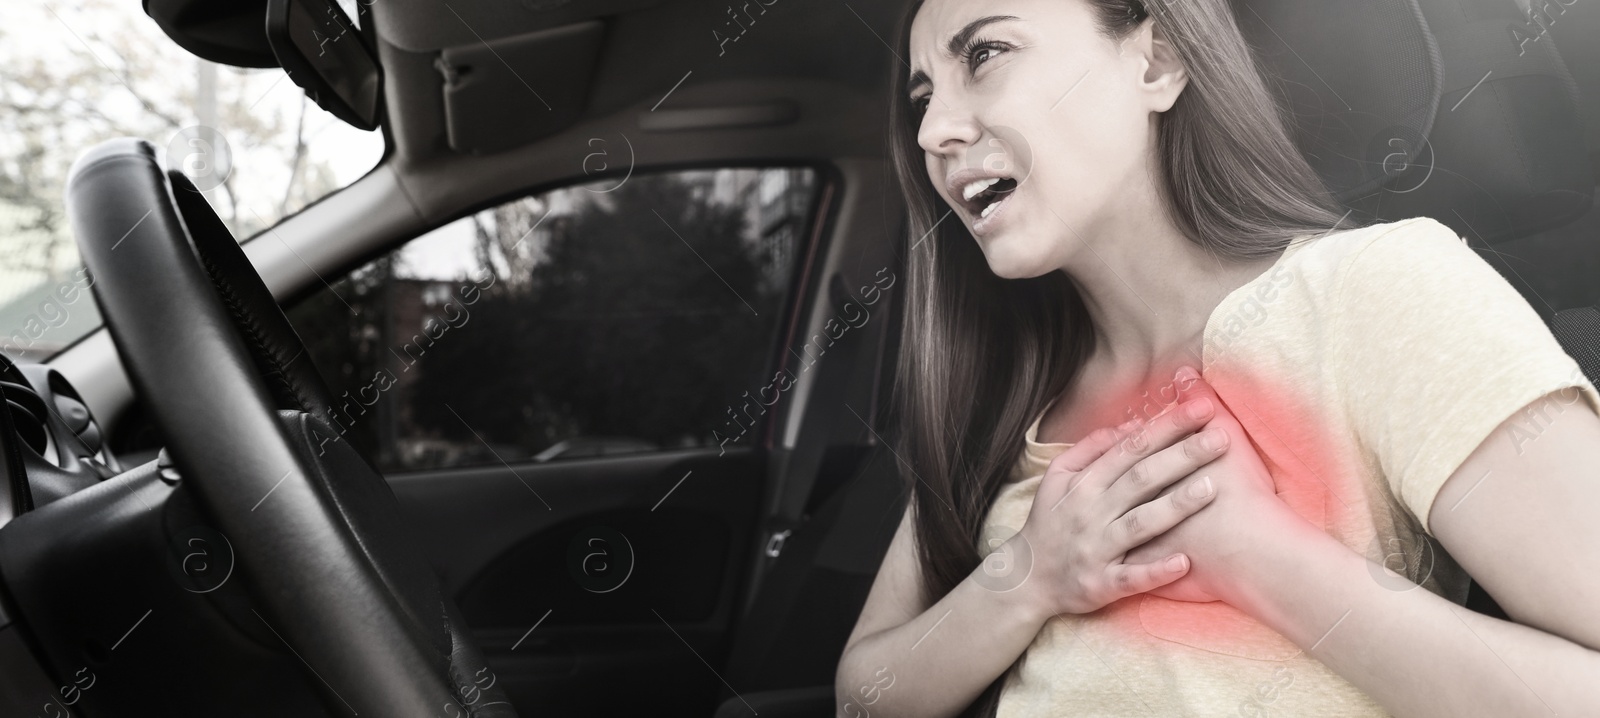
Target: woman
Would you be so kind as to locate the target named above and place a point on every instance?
(1127, 204)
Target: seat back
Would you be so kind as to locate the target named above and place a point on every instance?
(1505, 164)
(1578, 330)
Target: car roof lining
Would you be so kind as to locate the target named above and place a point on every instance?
(831, 64)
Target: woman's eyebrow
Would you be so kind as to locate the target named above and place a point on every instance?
(957, 42)
(919, 79)
(960, 39)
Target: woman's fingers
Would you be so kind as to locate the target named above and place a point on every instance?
(1158, 471)
(1096, 462)
(1128, 579)
(1151, 519)
(1147, 438)
(1078, 456)
(1190, 385)
(1066, 471)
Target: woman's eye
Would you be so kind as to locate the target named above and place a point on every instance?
(919, 105)
(981, 52)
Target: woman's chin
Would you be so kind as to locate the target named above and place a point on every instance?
(1008, 260)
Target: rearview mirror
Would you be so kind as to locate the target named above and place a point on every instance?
(324, 53)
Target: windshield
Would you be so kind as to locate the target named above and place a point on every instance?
(74, 74)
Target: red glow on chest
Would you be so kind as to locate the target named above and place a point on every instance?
(1312, 468)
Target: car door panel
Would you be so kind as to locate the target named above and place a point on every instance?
(538, 558)
(566, 392)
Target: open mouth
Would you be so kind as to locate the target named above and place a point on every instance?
(982, 197)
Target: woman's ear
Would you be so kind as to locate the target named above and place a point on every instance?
(1162, 75)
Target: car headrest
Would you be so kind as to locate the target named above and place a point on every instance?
(1505, 155)
(1359, 81)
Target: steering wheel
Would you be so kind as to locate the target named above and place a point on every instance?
(316, 531)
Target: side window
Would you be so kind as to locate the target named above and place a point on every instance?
(591, 320)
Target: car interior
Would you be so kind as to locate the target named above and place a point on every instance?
(239, 496)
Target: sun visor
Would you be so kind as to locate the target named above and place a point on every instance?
(504, 93)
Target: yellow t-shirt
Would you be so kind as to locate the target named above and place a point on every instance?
(1365, 366)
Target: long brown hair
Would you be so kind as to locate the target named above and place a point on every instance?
(982, 356)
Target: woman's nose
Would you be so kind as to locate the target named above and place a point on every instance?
(947, 128)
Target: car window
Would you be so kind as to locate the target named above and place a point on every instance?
(75, 74)
(593, 320)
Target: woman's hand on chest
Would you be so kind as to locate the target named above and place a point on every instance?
(1109, 494)
(1245, 515)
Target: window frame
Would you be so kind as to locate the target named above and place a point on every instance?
(814, 240)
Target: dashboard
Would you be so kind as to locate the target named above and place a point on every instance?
(61, 445)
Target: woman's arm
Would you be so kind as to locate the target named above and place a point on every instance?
(1520, 516)
(907, 658)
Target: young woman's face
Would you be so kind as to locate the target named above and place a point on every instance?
(1030, 99)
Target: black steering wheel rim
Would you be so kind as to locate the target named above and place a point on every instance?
(316, 531)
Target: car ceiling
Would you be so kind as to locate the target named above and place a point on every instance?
(830, 62)
(826, 64)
